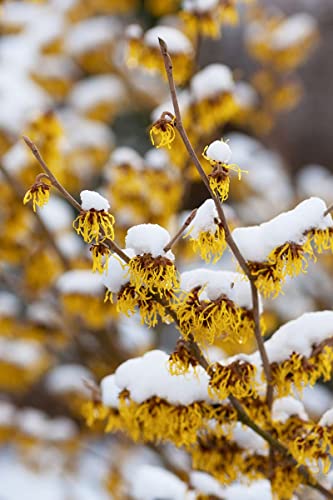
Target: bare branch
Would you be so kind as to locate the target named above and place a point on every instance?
(328, 210)
(55, 183)
(180, 231)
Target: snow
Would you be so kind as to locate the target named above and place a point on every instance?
(284, 408)
(33, 422)
(317, 400)
(157, 159)
(68, 378)
(295, 29)
(133, 31)
(151, 482)
(50, 23)
(69, 244)
(81, 133)
(249, 440)
(56, 214)
(199, 6)
(219, 151)
(90, 33)
(9, 304)
(218, 283)
(42, 313)
(257, 490)
(184, 101)
(117, 275)
(91, 91)
(80, 281)
(176, 41)
(148, 238)
(133, 335)
(48, 482)
(16, 158)
(206, 484)
(148, 376)
(22, 353)
(93, 200)
(7, 414)
(211, 81)
(267, 178)
(55, 67)
(61, 429)
(257, 242)
(126, 156)
(245, 95)
(327, 419)
(204, 220)
(110, 391)
(315, 180)
(300, 335)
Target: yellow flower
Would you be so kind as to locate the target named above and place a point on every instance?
(39, 193)
(205, 23)
(144, 52)
(237, 378)
(162, 132)
(99, 253)
(285, 479)
(153, 274)
(157, 420)
(94, 225)
(181, 360)
(210, 245)
(129, 300)
(211, 320)
(300, 371)
(289, 259)
(321, 239)
(218, 154)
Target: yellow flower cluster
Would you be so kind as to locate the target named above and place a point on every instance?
(300, 371)
(39, 194)
(209, 245)
(290, 259)
(149, 274)
(236, 378)
(154, 420)
(142, 53)
(94, 225)
(214, 320)
(208, 22)
(225, 460)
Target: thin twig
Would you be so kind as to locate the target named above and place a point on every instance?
(19, 193)
(55, 183)
(229, 239)
(328, 210)
(180, 231)
(35, 151)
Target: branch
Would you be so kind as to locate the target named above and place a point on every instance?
(111, 244)
(328, 210)
(274, 443)
(55, 183)
(231, 243)
(180, 231)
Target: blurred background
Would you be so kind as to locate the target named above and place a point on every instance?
(84, 80)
